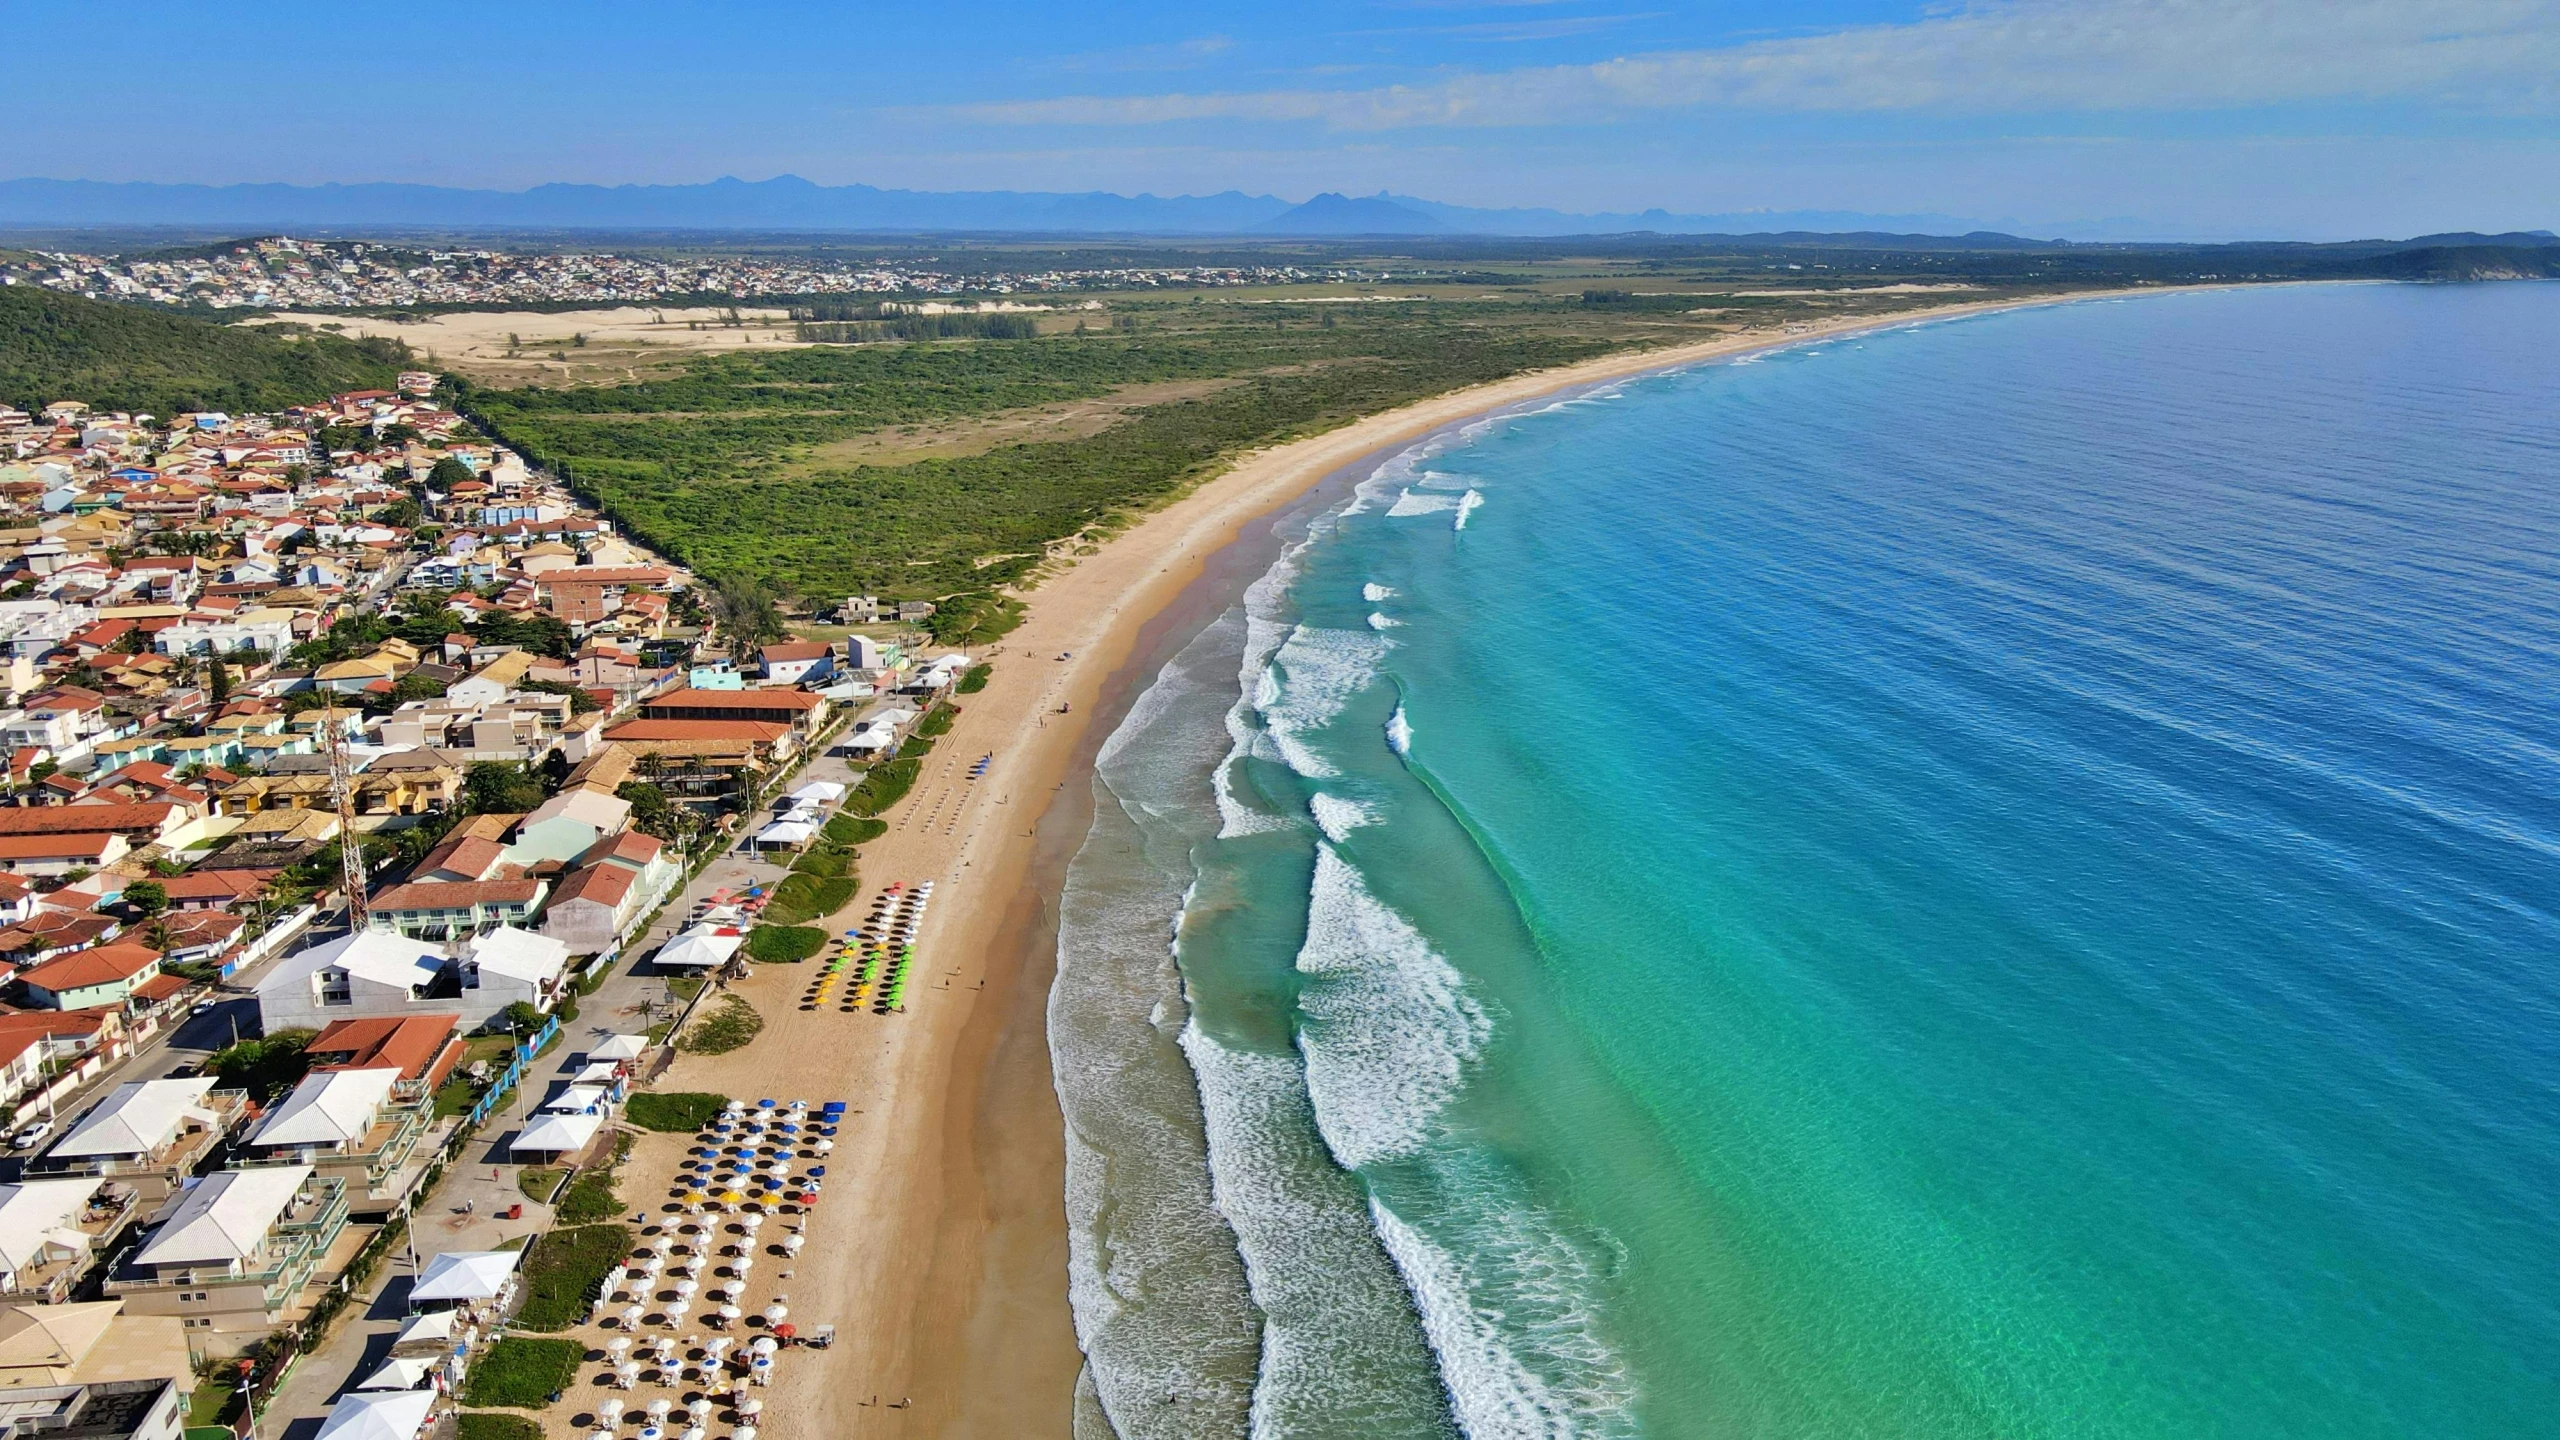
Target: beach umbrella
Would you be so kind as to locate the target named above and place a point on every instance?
(653, 1432)
(743, 1432)
(786, 1330)
(729, 1314)
(684, 1287)
(699, 1407)
(791, 1244)
(658, 1408)
(676, 1310)
(752, 1224)
(694, 1432)
(631, 1317)
(773, 1313)
(601, 1435)
(628, 1372)
(765, 1346)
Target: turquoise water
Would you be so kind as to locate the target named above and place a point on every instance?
(1990, 879)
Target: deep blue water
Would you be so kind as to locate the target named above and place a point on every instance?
(1993, 878)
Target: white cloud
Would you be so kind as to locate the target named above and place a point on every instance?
(2023, 56)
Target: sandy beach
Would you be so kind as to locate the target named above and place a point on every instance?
(940, 1253)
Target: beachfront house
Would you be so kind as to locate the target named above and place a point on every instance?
(242, 1254)
(366, 1128)
(152, 1135)
(52, 1231)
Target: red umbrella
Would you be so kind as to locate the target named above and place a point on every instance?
(786, 1329)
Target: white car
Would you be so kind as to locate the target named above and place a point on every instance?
(32, 1136)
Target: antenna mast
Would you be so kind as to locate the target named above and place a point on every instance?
(342, 795)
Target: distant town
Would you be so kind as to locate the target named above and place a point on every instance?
(284, 273)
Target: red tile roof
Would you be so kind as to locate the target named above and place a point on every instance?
(606, 885)
(100, 965)
(75, 819)
(420, 1047)
(762, 731)
(455, 895)
(795, 701)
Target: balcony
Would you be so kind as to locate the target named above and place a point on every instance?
(51, 1283)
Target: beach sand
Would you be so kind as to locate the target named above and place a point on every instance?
(940, 1249)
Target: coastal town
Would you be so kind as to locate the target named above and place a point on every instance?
(282, 272)
(348, 761)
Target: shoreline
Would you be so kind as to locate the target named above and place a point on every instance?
(955, 1157)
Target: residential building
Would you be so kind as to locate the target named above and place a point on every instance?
(449, 909)
(362, 1127)
(150, 1134)
(87, 979)
(568, 825)
(234, 1255)
(798, 660)
(423, 1048)
(796, 708)
(83, 1345)
(53, 1231)
(153, 1409)
(373, 973)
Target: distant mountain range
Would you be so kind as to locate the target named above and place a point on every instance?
(788, 203)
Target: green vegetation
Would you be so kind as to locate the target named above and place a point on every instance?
(974, 680)
(936, 722)
(853, 830)
(265, 1068)
(523, 1373)
(674, 1111)
(127, 357)
(722, 466)
(565, 1273)
(493, 1424)
(801, 898)
(824, 861)
(885, 785)
(728, 1028)
(778, 945)
(588, 1199)
(540, 1182)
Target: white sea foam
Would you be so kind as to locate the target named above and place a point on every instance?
(1381, 621)
(1390, 1027)
(1399, 732)
(1373, 592)
(1340, 1351)
(1467, 504)
(1509, 1319)
(1318, 672)
(1420, 502)
(1338, 815)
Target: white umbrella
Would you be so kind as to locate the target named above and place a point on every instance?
(765, 1345)
(601, 1435)
(729, 1314)
(699, 1407)
(743, 1432)
(676, 1312)
(748, 1409)
(752, 1223)
(776, 1312)
(628, 1372)
(791, 1244)
(658, 1408)
(684, 1287)
(743, 1264)
(695, 1432)
(663, 1244)
(631, 1316)
(617, 1345)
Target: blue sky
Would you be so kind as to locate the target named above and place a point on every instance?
(2304, 118)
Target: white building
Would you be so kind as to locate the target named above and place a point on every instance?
(376, 972)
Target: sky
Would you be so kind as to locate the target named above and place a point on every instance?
(2203, 118)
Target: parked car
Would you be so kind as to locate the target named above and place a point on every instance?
(32, 1136)
(204, 1007)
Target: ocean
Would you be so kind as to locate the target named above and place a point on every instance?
(1989, 878)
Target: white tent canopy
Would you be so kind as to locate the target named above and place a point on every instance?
(403, 1373)
(465, 1275)
(785, 832)
(397, 1415)
(576, 1100)
(818, 792)
(705, 949)
(557, 1134)
(880, 739)
(621, 1047)
(597, 1072)
(433, 1327)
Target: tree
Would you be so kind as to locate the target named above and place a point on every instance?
(217, 681)
(447, 473)
(555, 771)
(146, 898)
(745, 611)
(500, 787)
